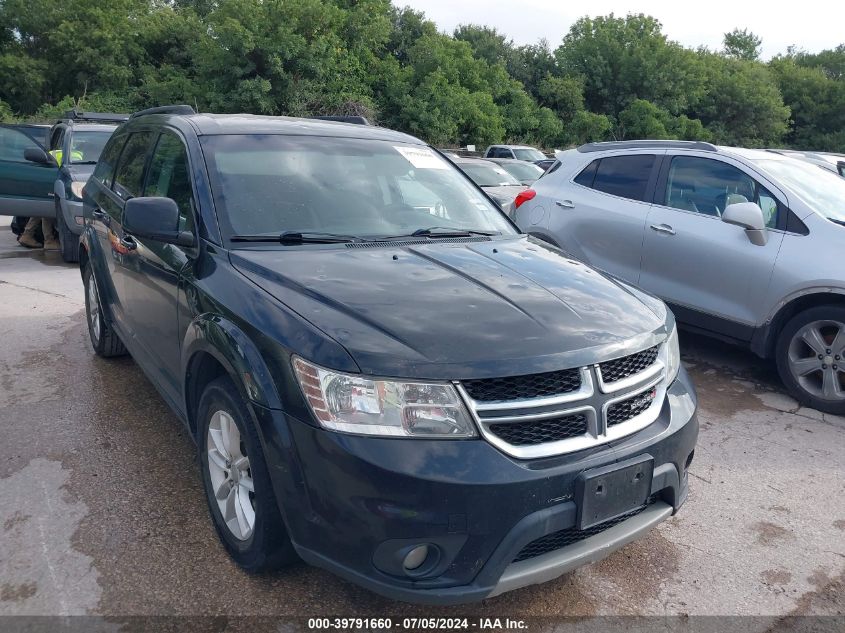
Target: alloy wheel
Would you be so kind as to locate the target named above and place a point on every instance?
(230, 475)
(94, 311)
(816, 358)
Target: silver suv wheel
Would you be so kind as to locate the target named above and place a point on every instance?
(815, 358)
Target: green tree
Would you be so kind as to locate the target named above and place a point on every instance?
(742, 45)
(743, 105)
(486, 43)
(623, 59)
(587, 127)
(817, 103)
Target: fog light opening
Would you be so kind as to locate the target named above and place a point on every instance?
(415, 558)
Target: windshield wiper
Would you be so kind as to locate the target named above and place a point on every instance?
(842, 222)
(297, 237)
(449, 231)
(83, 162)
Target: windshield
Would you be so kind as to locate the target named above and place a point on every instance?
(86, 146)
(823, 190)
(528, 153)
(523, 171)
(488, 175)
(270, 184)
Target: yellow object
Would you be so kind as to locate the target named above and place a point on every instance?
(57, 154)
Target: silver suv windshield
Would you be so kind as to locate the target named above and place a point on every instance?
(820, 188)
(273, 184)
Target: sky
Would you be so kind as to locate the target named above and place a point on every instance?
(812, 25)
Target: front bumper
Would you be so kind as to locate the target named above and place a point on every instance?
(71, 210)
(352, 504)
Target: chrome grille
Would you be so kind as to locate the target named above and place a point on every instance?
(569, 410)
(623, 411)
(541, 431)
(627, 366)
(521, 387)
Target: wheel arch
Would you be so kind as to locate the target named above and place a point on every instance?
(213, 347)
(765, 338)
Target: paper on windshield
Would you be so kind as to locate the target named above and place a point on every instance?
(421, 157)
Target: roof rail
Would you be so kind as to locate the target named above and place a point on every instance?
(358, 120)
(168, 109)
(609, 145)
(76, 115)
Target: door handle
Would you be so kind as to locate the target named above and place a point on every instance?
(566, 204)
(128, 242)
(663, 228)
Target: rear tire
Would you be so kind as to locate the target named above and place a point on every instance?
(810, 356)
(68, 241)
(237, 484)
(104, 339)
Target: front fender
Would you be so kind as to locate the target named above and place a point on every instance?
(233, 349)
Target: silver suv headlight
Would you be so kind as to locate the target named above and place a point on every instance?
(673, 355)
(352, 403)
(76, 188)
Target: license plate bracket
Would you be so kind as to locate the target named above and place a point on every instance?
(608, 492)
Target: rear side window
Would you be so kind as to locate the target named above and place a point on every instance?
(169, 177)
(624, 176)
(130, 169)
(13, 144)
(587, 175)
(104, 172)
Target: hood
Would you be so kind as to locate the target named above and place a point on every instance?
(445, 310)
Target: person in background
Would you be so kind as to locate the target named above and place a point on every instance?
(48, 228)
(48, 225)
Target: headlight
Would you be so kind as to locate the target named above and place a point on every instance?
(673, 355)
(350, 403)
(76, 188)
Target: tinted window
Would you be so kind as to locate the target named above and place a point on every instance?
(624, 176)
(587, 175)
(130, 168)
(169, 177)
(105, 167)
(274, 183)
(13, 144)
(707, 186)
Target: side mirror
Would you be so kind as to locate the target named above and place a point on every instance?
(749, 216)
(155, 219)
(38, 155)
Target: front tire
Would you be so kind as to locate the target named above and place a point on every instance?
(810, 357)
(68, 241)
(104, 339)
(237, 482)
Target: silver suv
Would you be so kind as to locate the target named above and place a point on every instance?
(745, 245)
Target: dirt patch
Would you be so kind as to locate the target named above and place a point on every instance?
(775, 577)
(16, 519)
(17, 593)
(839, 524)
(770, 533)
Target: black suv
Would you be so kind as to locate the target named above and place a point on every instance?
(416, 397)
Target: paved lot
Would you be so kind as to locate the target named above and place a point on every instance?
(101, 508)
